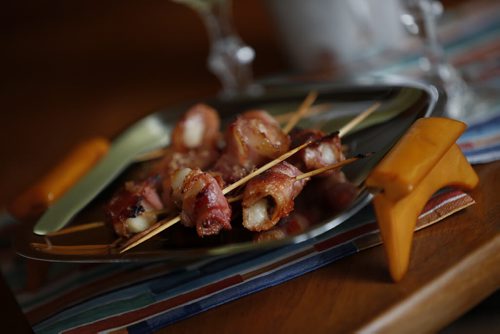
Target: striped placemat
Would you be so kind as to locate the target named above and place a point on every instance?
(145, 297)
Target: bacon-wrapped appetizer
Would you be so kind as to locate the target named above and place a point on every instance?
(326, 149)
(195, 141)
(253, 139)
(200, 198)
(294, 224)
(338, 192)
(194, 144)
(334, 190)
(134, 207)
(270, 196)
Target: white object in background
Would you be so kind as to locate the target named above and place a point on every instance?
(319, 33)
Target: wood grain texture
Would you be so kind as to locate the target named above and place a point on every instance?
(455, 264)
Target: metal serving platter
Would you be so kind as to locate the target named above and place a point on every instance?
(401, 104)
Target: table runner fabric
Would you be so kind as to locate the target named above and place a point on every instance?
(141, 298)
(481, 142)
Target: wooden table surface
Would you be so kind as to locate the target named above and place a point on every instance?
(82, 68)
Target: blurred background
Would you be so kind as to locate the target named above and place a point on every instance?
(106, 64)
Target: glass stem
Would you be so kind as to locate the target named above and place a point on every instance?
(434, 52)
(229, 59)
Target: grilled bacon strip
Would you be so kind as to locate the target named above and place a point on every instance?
(200, 198)
(198, 128)
(333, 189)
(194, 144)
(294, 224)
(195, 141)
(131, 209)
(253, 139)
(338, 192)
(270, 196)
(326, 150)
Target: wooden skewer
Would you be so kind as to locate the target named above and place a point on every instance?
(235, 198)
(358, 119)
(78, 228)
(314, 172)
(72, 249)
(303, 109)
(292, 118)
(89, 226)
(48, 246)
(330, 167)
(262, 169)
(164, 224)
(149, 233)
(313, 110)
(158, 227)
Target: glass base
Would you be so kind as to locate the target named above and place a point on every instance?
(463, 102)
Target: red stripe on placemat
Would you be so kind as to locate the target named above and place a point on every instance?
(439, 207)
(345, 237)
(133, 316)
(431, 214)
(93, 288)
(447, 206)
(480, 51)
(440, 198)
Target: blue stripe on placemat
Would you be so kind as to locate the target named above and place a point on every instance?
(74, 279)
(482, 151)
(118, 296)
(179, 282)
(283, 274)
(151, 291)
(481, 142)
(486, 157)
(165, 287)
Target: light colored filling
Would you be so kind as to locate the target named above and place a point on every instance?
(194, 188)
(193, 131)
(140, 223)
(256, 214)
(178, 178)
(327, 154)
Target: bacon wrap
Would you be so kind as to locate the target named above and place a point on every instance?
(129, 210)
(291, 225)
(202, 159)
(195, 141)
(204, 206)
(326, 150)
(333, 189)
(199, 128)
(338, 192)
(270, 196)
(253, 139)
